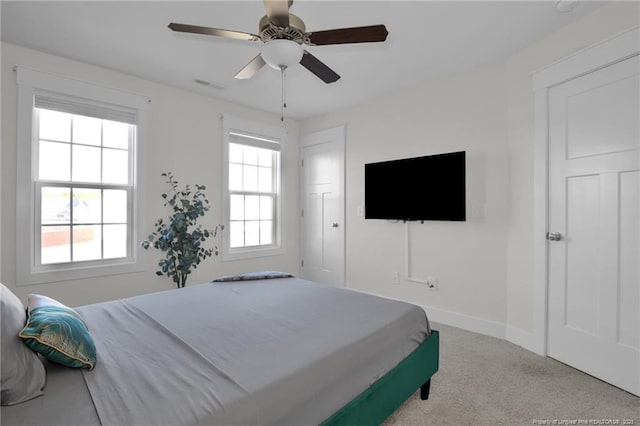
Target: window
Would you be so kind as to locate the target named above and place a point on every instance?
(82, 186)
(77, 166)
(252, 153)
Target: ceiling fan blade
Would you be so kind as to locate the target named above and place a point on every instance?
(317, 67)
(251, 68)
(278, 12)
(194, 29)
(372, 33)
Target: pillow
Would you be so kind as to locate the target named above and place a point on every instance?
(23, 374)
(58, 332)
(261, 275)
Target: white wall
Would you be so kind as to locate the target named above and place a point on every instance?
(484, 266)
(184, 137)
(463, 112)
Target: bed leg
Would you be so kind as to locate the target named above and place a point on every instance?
(424, 390)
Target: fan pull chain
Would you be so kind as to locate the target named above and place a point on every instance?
(283, 68)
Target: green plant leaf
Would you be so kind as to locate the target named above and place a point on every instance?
(181, 236)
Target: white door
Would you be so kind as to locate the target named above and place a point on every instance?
(594, 206)
(322, 201)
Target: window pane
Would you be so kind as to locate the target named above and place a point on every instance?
(265, 179)
(266, 234)
(235, 153)
(86, 130)
(55, 206)
(235, 177)
(115, 166)
(55, 125)
(87, 243)
(236, 208)
(115, 206)
(236, 234)
(252, 207)
(266, 207)
(115, 241)
(87, 206)
(55, 244)
(54, 161)
(250, 178)
(86, 164)
(250, 155)
(252, 233)
(115, 134)
(265, 158)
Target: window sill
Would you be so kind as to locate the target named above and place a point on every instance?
(78, 272)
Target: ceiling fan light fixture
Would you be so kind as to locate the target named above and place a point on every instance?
(281, 53)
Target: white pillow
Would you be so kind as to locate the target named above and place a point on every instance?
(23, 374)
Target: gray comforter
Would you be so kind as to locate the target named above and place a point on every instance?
(281, 351)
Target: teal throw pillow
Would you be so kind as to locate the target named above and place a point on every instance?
(58, 332)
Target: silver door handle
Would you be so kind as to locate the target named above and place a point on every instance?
(554, 236)
(334, 225)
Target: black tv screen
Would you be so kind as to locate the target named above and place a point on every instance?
(421, 188)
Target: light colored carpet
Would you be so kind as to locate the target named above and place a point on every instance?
(488, 381)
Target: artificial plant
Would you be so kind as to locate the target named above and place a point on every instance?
(181, 237)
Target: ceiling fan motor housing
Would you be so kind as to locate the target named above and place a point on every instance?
(294, 32)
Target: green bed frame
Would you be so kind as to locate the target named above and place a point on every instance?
(382, 398)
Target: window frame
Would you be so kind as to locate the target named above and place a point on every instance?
(240, 125)
(32, 83)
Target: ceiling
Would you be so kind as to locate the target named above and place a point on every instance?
(427, 40)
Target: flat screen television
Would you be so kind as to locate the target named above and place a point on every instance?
(422, 188)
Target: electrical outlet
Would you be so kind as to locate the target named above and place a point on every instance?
(432, 283)
(395, 278)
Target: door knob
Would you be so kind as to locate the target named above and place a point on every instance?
(554, 236)
(334, 225)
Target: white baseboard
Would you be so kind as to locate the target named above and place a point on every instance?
(455, 319)
(515, 335)
(466, 322)
(523, 338)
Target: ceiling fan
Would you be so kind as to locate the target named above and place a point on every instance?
(283, 35)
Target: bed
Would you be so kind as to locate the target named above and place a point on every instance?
(276, 351)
